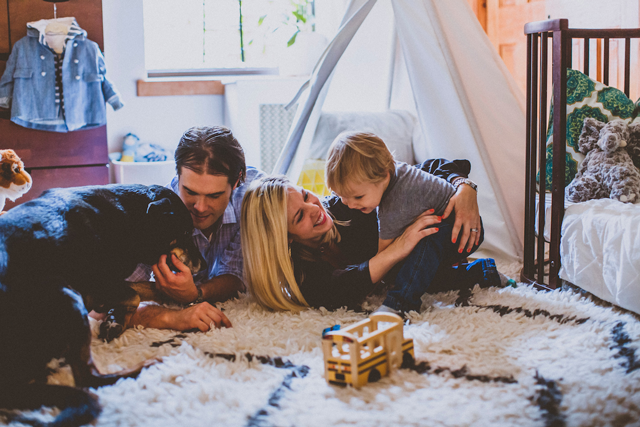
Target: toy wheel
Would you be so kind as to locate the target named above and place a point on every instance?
(374, 376)
(407, 360)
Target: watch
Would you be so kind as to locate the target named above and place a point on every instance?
(458, 182)
(199, 298)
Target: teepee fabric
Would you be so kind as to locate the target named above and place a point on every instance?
(465, 100)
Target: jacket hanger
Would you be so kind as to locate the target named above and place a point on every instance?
(57, 29)
(55, 9)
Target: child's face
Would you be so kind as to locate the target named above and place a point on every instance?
(364, 196)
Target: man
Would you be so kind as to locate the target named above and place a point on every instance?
(211, 180)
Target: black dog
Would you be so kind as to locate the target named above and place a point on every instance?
(62, 255)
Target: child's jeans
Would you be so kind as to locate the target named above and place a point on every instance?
(432, 257)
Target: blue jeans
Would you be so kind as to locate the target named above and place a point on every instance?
(432, 259)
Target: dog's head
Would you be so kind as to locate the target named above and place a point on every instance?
(172, 228)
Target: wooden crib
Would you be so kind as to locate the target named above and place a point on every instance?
(553, 46)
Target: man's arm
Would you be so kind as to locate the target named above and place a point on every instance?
(199, 316)
(221, 288)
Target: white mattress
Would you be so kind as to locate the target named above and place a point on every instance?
(547, 214)
(600, 250)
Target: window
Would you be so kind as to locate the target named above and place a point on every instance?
(229, 36)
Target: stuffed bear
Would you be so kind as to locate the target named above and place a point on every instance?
(14, 180)
(607, 170)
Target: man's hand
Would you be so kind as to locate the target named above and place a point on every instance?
(199, 316)
(177, 286)
(465, 204)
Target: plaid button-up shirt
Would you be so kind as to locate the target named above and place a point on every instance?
(224, 252)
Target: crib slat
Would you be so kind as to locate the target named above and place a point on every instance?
(542, 153)
(561, 61)
(531, 152)
(627, 64)
(605, 79)
(586, 56)
(534, 116)
(529, 202)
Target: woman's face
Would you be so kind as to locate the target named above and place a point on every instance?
(307, 220)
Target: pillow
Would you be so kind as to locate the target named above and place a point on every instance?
(585, 98)
(312, 177)
(394, 127)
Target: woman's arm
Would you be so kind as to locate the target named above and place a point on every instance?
(446, 169)
(464, 202)
(402, 246)
(326, 286)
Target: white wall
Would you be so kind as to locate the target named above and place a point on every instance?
(595, 13)
(157, 119)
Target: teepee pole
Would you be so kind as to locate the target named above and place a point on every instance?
(321, 74)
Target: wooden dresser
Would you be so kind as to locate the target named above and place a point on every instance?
(53, 159)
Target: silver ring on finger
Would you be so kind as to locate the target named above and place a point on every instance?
(474, 230)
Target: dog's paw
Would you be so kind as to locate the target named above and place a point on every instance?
(110, 329)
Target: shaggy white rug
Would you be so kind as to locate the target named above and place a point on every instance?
(504, 357)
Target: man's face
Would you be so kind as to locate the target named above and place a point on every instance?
(206, 196)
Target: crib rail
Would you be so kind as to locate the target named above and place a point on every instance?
(550, 46)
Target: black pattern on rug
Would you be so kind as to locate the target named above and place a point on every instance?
(425, 367)
(548, 398)
(174, 342)
(503, 310)
(464, 300)
(259, 419)
(627, 354)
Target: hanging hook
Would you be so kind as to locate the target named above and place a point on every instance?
(55, 7)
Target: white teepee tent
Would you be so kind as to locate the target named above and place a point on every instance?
(441, 66)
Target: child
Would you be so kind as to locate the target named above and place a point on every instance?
(363, 173)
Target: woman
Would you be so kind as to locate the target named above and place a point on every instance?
(299, 251)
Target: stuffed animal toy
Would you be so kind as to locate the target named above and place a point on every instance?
(14, 180)
(129, 147)
(607, 170)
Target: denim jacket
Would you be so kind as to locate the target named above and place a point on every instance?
(28, 84)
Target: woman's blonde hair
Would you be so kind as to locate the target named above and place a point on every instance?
(356, 157)
(268, 264)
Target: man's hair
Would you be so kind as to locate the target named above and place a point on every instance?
(357, 157)
(211, 150)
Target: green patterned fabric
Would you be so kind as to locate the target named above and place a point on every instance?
(585, 98)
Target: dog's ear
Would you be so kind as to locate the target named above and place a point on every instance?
(160, 207)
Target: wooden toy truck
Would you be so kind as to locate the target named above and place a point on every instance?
(365, 351)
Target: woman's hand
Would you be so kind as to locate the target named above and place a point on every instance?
(416, 232)
(465, 205)
(177, 286)
(402, 246)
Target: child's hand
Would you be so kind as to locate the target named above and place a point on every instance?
(465, 204)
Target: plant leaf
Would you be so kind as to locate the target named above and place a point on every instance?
(299, 17)
(292, 40)
(261, 20)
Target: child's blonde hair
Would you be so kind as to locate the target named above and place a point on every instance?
(357, 157)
